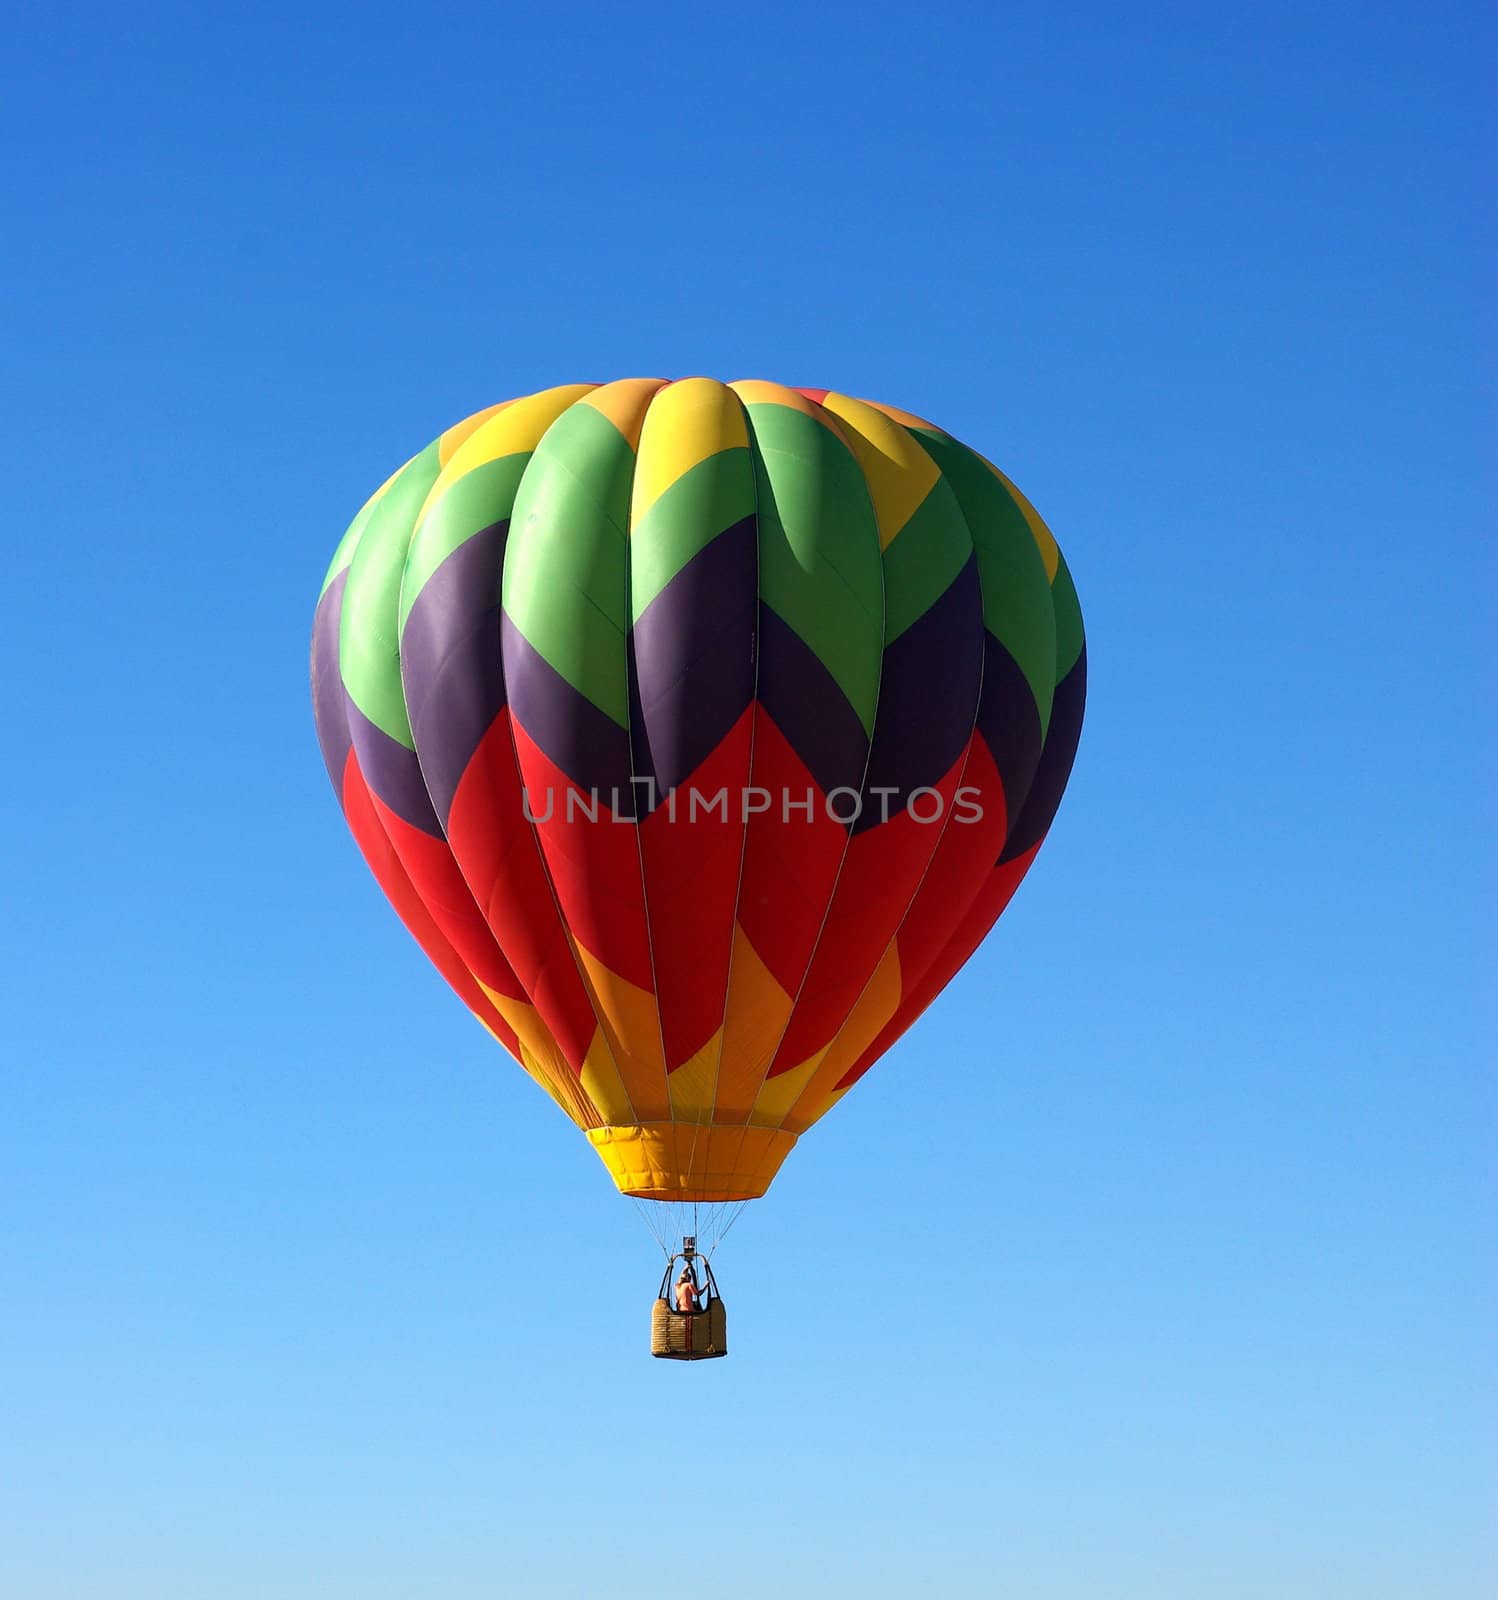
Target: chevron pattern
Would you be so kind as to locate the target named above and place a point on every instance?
(698, 733)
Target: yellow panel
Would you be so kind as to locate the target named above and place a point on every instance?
(602, 1083)
(758, 1010)
(677, 1161)
(1038, 530)
(528, 1062)
(502, 1043)
(829, 1103)
(900, 474)
(624, 403)
(687, 422)
(755, 392)
(540, 1057)
(537, 1072)
(876, 1005)
(508, 430)
(523, 1017)
(781, 1092)
(630, 1015)
(455, 435)
(692, 1083)
(907, 418)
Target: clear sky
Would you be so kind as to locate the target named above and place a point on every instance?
(304, 1290)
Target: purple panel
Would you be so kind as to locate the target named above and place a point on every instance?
(808, 707)
(329, 710)
(1061, 740)
(1009, 723)
(586, 743)
(928, 696)
(692, 660)
(392, 772)
(452, 670)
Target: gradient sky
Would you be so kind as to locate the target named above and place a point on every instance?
(304, 1290)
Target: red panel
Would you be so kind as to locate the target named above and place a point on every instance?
(985, 910)
(374, 845)
(496, 850)
(435, 877)
(958, 871)
(691, 884)
(594, 865)
(878, 879)
(790, 866)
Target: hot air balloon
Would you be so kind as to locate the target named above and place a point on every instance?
(698, 733)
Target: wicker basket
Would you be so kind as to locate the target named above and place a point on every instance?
(688, 1335)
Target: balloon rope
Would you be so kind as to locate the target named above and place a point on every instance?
(740, 1204)
(648, 1217)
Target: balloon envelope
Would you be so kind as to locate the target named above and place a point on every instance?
(698, 733)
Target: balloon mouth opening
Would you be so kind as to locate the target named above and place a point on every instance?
(693, 1196)
(692, 1161)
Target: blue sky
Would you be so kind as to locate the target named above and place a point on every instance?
(306, 1292)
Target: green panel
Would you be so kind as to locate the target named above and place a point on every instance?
(477, 500)
(1017, 603)
(566, 561)
(344, 554)
(921, 561)
(1068, 620)
(709, 497)
(819, 564)
(368, 644)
